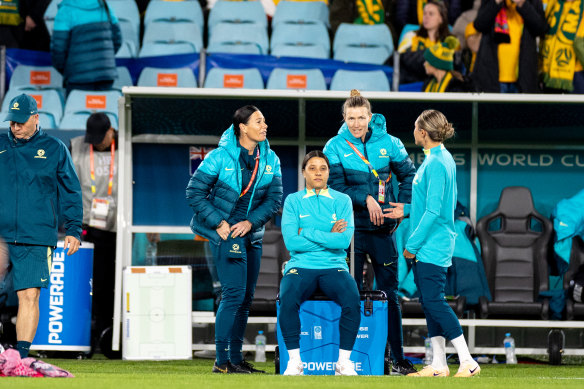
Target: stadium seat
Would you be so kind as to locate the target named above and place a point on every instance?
(174, 12)
(234, 78)
(27, 77)
(174, 33)
(182, 77)
(363, 43)
(129, 19)
(124, 78)
(238, 38)
(274, 254)
(49, 104)
(237, 12)
(574, 310)
(368, 80)
(50, 14)
(301, 12)
(514, 245)
(302, 40)
(81, 104)
(310, 79)
(163, 49)
(130, 42)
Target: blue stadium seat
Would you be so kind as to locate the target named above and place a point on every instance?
(130, 42)
(81, 104)
(50, 14)
(49, 104)
(35, 77)
(180, 77)
(369, 80)
(174, 33)
(363, 43)
(163, 49)
(301, 12)
(234, 78)
(237, 12)
(129, 18)
(309, 79)
(303, 40)
(174, 12)
(238, 38)
(124, 78)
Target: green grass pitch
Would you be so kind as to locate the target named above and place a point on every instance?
(196, 374)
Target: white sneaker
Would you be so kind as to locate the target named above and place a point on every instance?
(294, 368)
(345, 367)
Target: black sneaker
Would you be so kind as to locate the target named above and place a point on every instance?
(229, 368)
(403, 367)
(245, 365)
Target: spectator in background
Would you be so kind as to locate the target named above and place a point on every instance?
(459, 27)
(36, 36)
(362, 12)
(434, 29)
(86, 37)
(507, 58)
(472, 41)
(11, 28)
(562, 49)
(94, 156)
(412, 11)
(439, 68)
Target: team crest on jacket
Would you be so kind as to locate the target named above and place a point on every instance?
(40, 154)
(235, 249)
(383, 153)
(269, 169)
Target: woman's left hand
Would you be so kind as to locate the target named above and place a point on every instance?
(240, 229)
(409, 255)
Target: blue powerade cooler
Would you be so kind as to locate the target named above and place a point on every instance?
(65, 306)
(319, 336)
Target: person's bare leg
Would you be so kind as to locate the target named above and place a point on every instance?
(27, 318)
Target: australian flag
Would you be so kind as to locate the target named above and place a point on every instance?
(197, 154)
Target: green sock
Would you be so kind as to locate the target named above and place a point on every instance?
(23, 348)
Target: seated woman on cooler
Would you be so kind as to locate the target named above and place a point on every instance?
(317, 225)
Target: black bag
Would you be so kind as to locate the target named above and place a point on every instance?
(577, 285)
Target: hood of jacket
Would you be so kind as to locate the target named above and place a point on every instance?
(377, 127)
(82, 4)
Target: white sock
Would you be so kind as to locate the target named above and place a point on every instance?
(438, 352)
(294, 354)
(344, 355)
(462, 349)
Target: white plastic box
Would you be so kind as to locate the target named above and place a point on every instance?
(157, 321)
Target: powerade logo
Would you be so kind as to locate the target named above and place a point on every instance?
(56, 298)
(328, 366)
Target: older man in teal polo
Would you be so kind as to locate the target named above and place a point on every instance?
(39, 187)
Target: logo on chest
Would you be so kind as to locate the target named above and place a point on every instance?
(40, 154)
(383, 153)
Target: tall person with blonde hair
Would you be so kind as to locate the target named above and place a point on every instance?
(363, 157)
(430, 244)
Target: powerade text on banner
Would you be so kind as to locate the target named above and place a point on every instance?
(319, 336)
(65, 306)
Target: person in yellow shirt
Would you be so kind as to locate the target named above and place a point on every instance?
(562, 49)
(507, 58)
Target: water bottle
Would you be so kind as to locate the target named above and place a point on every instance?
(260, 347)
(509, 343)
(151, 252)
(428, 350)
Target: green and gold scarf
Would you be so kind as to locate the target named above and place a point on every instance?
(370, 12)
(563, 44)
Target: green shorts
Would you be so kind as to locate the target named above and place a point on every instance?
(31, 266)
